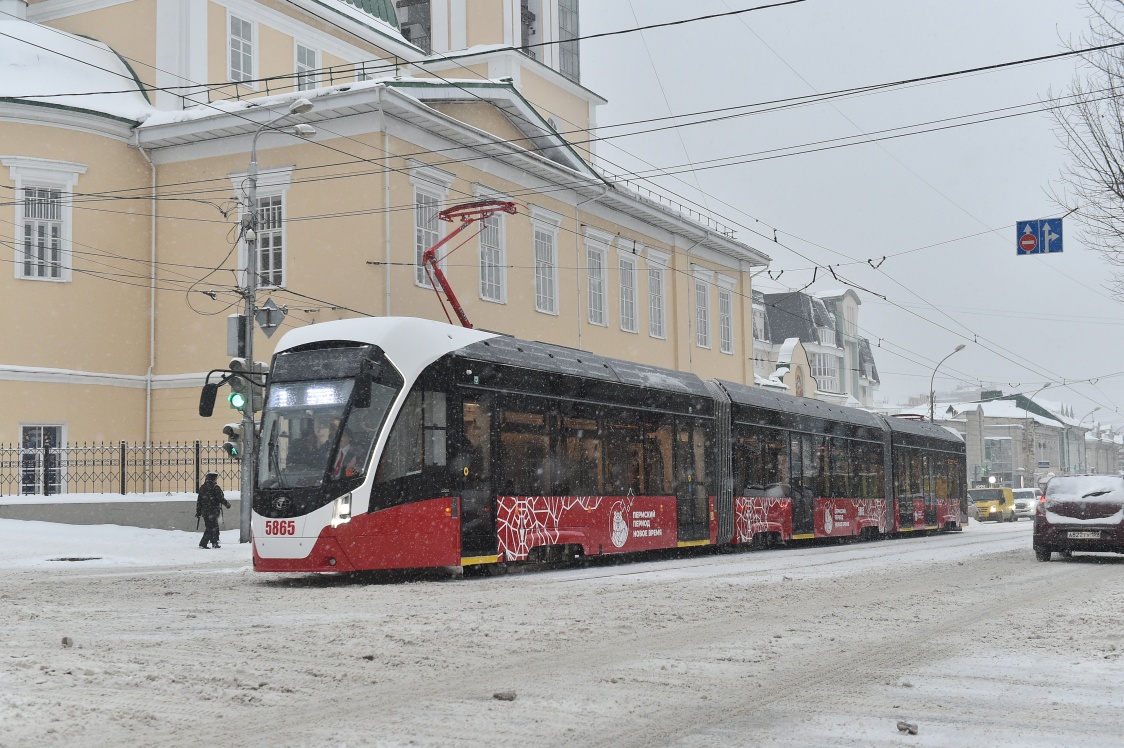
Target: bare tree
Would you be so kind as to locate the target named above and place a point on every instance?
(1089, 119)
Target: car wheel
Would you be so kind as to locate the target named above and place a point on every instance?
(1042, 554)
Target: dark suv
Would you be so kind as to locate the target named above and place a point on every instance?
(1080, 513)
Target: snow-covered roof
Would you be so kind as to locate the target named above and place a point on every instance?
(44, 66)
(991, 408)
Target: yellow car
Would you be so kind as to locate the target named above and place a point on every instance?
(997, 504)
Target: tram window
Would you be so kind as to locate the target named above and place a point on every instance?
(915, 472)
(748, 464)
(797, 452)
(775, 463)
(623, 452)
(417, 439)
(840, 463)
(658, 461)
(580, 463)
(525, 454)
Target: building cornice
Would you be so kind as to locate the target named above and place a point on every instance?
(23, 111)
(50, 375)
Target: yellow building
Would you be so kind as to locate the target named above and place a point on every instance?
(126, 129)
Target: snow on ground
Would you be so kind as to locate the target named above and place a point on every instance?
(965, 635)
(47, 545)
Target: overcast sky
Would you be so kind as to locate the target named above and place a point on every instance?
(1037, 318)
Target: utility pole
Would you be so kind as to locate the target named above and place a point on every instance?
(250, 292)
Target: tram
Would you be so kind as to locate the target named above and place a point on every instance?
(390, 443)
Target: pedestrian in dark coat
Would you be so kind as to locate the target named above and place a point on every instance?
(209, 506)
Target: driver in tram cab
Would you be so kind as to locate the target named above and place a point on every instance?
(305, 451)
(347, 458)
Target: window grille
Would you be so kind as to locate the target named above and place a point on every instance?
(568, 34)
(270, 241)
(595, 269)
(628, 294)
(702, 314)
(491, 260)
(655, 303)
(545, 272)
(427, 230)
(241, 50)
(42, 255)
(725, 321)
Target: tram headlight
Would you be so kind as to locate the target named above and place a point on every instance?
(342, 513)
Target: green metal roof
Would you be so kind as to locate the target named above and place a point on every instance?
(382, 9)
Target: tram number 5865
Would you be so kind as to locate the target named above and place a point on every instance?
(280, 527)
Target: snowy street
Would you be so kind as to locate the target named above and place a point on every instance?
(965, 636)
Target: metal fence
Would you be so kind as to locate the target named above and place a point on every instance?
(119, 468)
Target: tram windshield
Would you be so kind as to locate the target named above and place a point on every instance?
(321, 430)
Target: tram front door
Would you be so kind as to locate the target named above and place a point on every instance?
(691, 494)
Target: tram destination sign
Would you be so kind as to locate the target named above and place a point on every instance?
(1038, 237)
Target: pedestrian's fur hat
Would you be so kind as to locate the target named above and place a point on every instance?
(212, 475)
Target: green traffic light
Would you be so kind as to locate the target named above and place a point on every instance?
(237, 400)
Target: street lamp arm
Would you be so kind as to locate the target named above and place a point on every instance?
(933, 379)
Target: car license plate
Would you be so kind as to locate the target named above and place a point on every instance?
(1083, 535)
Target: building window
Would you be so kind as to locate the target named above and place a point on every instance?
(758, 324)
(825, 336)
(528, 36)
(725, 320)
(825, 369)
(306, 65)
(491, 259)
(40, 467)
(702, 313)
(427, 230)
(241, 50)
(270, 240)
(656, 303)
(595, 274)
(414, 21)
(41, 253)
(628, 293)
(546, 269)
(569, 63)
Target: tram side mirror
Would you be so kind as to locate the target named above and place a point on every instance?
(207, 399)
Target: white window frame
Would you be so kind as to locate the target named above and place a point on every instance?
(703, 281)
(271, 183)
(247, 82)
(434, 183)
(627, 270)
(726, 287)
(307, 76)
(42, 173)
(500, 266)
(657, 301)
(596, 250)
(545, 224)
(825, 370)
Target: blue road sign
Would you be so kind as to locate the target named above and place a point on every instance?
(1038, 237)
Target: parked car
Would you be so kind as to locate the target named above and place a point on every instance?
(1080, 513)
(996, 504)
(1026, 502)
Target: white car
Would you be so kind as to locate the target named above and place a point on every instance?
(1026, 500)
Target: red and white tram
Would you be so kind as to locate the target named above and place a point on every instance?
(401, 443)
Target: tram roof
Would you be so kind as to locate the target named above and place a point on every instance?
(760, 397)
(922, 428)
(555, 359)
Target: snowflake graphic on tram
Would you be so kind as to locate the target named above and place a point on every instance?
(390, 443)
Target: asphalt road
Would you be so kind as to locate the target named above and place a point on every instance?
(965, 636)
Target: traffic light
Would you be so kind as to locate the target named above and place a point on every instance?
(257, 387)
(233, 445)
(239, 385)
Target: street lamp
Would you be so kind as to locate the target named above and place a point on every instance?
(250, 232)
(932, 379)
(1030, 448)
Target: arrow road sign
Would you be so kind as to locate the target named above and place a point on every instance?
(1038, 237)
(269, 317)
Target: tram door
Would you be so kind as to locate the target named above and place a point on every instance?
(692, 497)
(473, 463)
(803, 484)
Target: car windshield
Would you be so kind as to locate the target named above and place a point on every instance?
(1101, 488)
